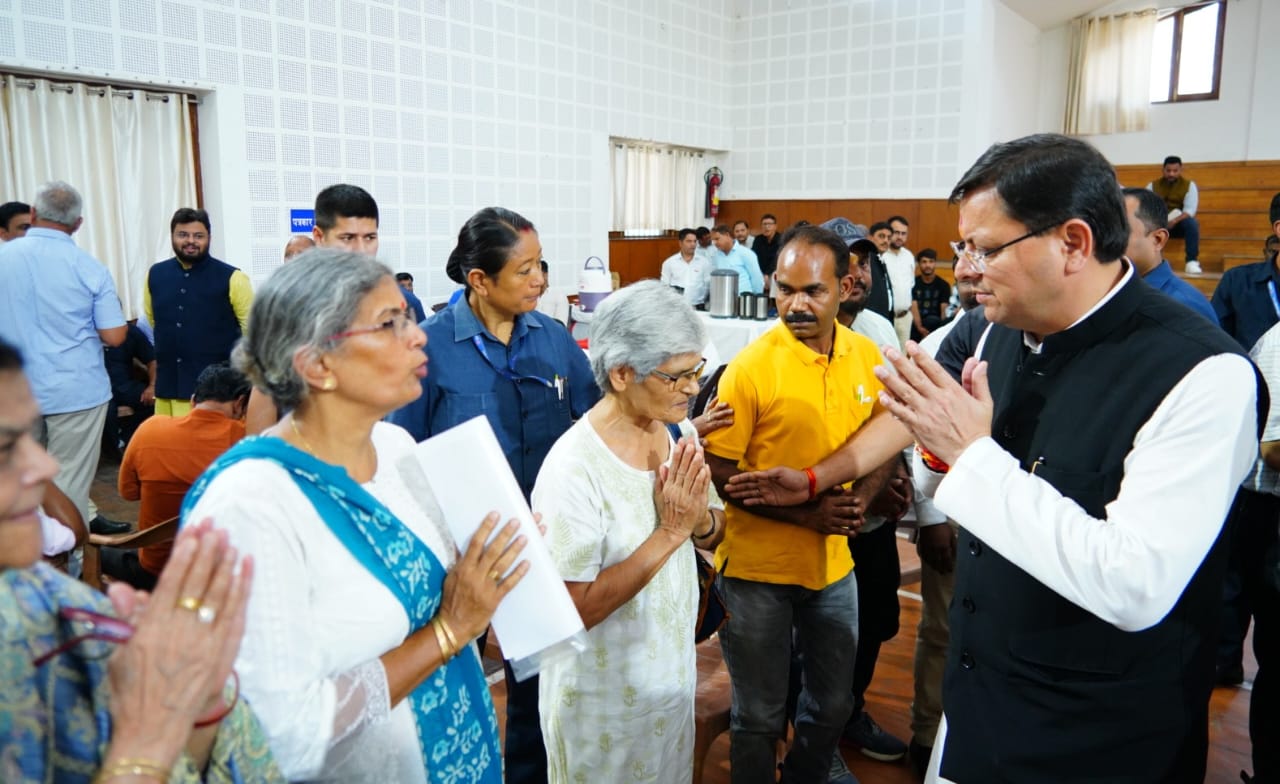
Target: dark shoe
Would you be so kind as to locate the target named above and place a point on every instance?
(919, 755)
(101, 525)
(1228, 674)
(863, 732)
(840, 773)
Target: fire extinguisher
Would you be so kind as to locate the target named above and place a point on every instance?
(713, 178)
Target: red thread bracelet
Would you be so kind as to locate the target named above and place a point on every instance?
(932, 461)
(813, 483)
(210, 720)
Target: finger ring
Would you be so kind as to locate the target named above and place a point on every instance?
(189, 603)
(206, 614)
(496, 576)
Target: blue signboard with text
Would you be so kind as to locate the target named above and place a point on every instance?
(301, 221)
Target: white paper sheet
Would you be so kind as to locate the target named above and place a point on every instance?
(470, 478)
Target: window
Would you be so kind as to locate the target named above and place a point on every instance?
(1186, 54)
(656, 187)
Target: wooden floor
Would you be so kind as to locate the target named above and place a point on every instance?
(889, 697)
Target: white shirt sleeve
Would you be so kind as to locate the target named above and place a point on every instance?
(57, 537)
(1130, 567)
(1191, 201)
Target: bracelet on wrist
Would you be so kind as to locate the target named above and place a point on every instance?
(711, 529)
(222, 711)
(932, 461)
(448, 648)
(813, 482)
(132, 766)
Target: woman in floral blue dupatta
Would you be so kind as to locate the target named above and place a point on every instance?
(357, 653)
(113, 690)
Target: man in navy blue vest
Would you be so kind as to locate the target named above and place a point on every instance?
(198, 307)
(1088, 446)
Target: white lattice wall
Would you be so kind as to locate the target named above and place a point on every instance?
(438, 108)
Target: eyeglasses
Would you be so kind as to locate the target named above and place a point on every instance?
(689, 375)
(978, 258)
(400, 324)
(92, 635)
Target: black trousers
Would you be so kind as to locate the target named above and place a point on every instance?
(123, 565)
(1255, 519)
(525, 755)
(876, 568)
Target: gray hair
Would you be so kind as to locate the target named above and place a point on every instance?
(58, 203)
(642, 326)
(302, 304)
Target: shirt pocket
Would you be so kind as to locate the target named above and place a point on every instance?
(458, 407)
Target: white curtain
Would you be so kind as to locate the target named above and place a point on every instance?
(128, 152)
(655, 187)
(1109, 81)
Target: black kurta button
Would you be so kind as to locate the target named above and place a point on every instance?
(975, 548)
(968, 605)
(966, 660)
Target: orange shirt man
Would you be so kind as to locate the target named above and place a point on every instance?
(165, 457)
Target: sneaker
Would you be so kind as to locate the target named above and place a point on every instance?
(840, 773)
(863, 732)
(1193, 267)
(919, 754)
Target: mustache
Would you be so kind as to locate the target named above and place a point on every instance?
(801, 318)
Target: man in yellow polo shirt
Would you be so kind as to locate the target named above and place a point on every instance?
(798, 393)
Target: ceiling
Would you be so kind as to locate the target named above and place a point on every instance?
(1051, 13)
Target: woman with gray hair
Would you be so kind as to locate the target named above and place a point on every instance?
(624, 503)
(356, 653)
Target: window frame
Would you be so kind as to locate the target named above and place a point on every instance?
(1175, 55)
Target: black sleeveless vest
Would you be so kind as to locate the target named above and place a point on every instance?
(1038, 689)
(195, 323)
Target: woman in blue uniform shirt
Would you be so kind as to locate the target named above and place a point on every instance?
(492, 354)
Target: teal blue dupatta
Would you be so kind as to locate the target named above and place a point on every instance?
(457, 726)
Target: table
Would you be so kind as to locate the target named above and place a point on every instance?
(728, 336)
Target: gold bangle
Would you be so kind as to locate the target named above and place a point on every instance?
(448, 632)
(443, 642)
(133, 766)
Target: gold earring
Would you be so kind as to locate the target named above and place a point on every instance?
(329, 384)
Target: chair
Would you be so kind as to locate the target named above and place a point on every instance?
(711, 704)
(156, 534)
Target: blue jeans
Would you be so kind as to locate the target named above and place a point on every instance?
(757, 651)
(1190, 229)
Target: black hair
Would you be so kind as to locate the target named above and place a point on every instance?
(927, 253)
(721, 228)
(897, 218)
(485, 243)
(817, 235)
(1046, 179)
(221, 383)
(10, 210)
(744, 223)
(343, 201)
(878, 226)
(1275, 209)
(1152, 210)
(189, 215)
(768, 216)
(402, 276)
(685, 233)
(1172, 159)
(702, 231)
(10, 357)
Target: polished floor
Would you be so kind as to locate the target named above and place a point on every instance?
(889, 697)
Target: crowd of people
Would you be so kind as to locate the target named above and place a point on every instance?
(1083, 442)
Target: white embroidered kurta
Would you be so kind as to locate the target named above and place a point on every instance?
(621, 711)
(318, 621)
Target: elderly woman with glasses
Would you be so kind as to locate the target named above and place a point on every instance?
(126, 689)
(625, 496)
(357, 653)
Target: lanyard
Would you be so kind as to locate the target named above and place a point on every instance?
(509, 372)
(1275, 301)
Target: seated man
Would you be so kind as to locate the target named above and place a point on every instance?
(1183, 199)
(165, 458)
(124, 364)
